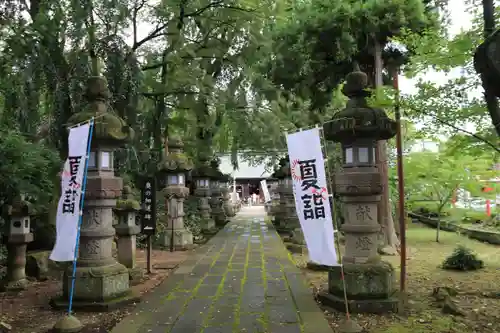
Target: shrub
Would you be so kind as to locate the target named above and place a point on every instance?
(463, 259)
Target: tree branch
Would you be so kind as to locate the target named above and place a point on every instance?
(135, 11)
(168, 93)
(477, 137)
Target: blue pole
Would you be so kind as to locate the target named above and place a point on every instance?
(82, 197)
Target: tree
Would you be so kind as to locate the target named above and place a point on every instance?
(323, 38)
(435, 177)
(447, 108)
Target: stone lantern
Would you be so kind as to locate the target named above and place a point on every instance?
(279, 200)
(289, 221)
(100, 281)
(216, 201)
(226, 198)
(173, 169)
(202, 175)
(127, 227)
(18, 238)
(369, 281)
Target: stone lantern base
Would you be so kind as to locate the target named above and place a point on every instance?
(183, 239)
(370, 288)
(98, 288)
(298, 236)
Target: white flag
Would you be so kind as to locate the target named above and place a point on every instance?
(311, 195)
(265, 190)
(68, 210)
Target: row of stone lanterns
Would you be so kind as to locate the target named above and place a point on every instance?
(285, 214)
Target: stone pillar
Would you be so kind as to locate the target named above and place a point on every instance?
(101, 281)
(201, 175)
(369, 280)
(174, 167)
(226, 203)
(127, 228)
(216, 205)
(216, 200)
(18, 238)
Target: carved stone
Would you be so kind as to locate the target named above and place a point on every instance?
(100, 281)
(369, 282)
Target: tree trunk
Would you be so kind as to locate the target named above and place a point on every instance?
(389, 240)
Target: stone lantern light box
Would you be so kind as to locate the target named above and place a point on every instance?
(20, 222)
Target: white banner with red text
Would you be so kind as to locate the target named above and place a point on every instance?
(311, 195)
(68, 210)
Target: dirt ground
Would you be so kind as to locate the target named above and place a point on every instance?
(29, 311)
(477, 290)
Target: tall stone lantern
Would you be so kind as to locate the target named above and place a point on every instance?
(127, 228)
(216, 203)
(226, 197)
(18, 238)
(173, 168)
(369, 280)
(101, 281)
(289, 221)
(202, 175)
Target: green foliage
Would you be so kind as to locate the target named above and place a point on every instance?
(432, 178)
(27, 168)
(463, 259)
(192, 219)
(322, 38)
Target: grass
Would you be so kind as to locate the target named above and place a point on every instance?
(424, 258)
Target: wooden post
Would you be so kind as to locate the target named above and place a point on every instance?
(149, 251)
(401, 190)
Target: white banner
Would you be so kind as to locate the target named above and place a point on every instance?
(311, 195)
(265, 191)
(68, 210)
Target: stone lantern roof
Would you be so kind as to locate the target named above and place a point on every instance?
(282, 171)
(358, 120)
(20, 207)
(128, 203)
(203, 168)
(217, 174)
(109, 128)
(174, 159)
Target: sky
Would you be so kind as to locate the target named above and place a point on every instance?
(460, 20)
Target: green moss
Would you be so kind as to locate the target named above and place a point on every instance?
(127, 204)
(107, 126)
(175, 161)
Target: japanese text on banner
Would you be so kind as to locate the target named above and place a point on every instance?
(68, 210)
(311, 195)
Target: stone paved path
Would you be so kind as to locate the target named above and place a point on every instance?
(242, 280)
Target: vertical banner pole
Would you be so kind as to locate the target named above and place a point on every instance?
(82, 198)
(334, 217)
(401, 190)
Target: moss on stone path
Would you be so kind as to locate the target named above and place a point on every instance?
(242, 280)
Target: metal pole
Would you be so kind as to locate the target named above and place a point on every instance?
(401, 189)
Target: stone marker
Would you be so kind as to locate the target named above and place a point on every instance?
(127, 229)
